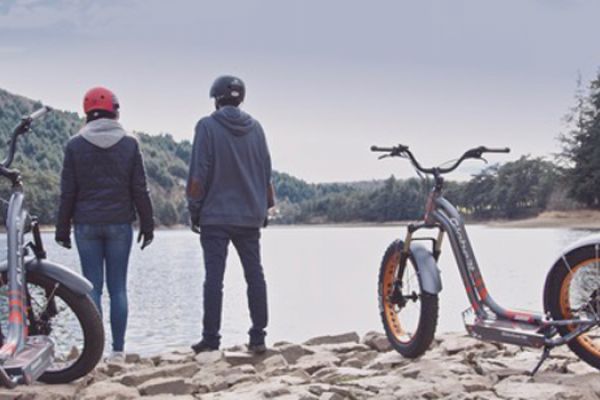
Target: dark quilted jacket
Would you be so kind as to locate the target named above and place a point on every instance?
(103, 185)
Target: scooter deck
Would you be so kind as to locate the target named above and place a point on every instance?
(511, 332)
(32, 361)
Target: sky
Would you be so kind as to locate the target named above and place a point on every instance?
(326, 78)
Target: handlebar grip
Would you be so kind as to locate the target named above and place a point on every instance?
(503, 150)
(39, 112)
(376, 148)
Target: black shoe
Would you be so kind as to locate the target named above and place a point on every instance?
(257, 348)
(202, 347)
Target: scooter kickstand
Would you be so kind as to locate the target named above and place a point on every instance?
(545, 355)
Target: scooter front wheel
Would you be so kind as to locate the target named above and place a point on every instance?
(409, 314)
(572, 291)
(72, 322)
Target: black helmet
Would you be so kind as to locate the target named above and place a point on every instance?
(228, 89)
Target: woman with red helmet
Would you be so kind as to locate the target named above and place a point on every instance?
(103, 185)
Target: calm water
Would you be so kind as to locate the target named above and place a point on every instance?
(320, 280)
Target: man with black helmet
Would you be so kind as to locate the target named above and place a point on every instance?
(229, 192)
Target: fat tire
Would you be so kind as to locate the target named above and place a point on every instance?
(552, 296)
(91, 325)
(428, 316)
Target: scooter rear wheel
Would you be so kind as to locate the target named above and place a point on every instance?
(572, 291)
(409, 314)
(71, 320)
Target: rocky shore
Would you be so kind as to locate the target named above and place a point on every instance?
(335, 368)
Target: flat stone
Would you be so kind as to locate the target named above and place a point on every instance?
(417, 389)
(580, 368)
(235, 379)
(476, 383)
(342, 374)
(353, 363)
(588, 381)
(297, 377)
(334, 339)
(274, 390)
(209, 357)
(132, 358)
(39, 391)
(454, 343)
(108, 391)
(209, 381)
(112, 369)
(377, 341)
(239, 358)
(342, 348)
(165, 386)
(535, 391)
(379, 384)
(236, 358)
(387, 361)
(331, 396)
(292, 352)
(319, 388)
(272, 364)
(136, 378)
(314, 362)
(175, 358)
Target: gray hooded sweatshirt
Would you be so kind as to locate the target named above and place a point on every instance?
(230, 170)
(103, 132)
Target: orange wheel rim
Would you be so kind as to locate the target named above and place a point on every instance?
(565, 306)
(390, 313)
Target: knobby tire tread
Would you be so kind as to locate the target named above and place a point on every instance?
(425, 333)
(552, 293)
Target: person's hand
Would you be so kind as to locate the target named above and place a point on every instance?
(64, 243)
(195, 224)
(63, 239)
(145, 238)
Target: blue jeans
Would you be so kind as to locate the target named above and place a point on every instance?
(106, 247)
(215, 240)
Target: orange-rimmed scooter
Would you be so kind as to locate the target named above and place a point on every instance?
(410, 281)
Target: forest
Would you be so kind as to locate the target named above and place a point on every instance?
(517, 189)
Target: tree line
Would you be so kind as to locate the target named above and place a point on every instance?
(516, 189)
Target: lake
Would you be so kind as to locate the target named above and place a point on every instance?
(320, 279)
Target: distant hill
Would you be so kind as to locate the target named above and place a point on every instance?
(514, 190)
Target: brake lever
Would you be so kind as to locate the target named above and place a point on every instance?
(383, 156)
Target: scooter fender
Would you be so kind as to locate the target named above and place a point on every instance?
(429, 273)
(60, 273)
(590, 240)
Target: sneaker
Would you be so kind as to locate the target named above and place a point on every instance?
(115, 357)
(257, 348)
(202, 346)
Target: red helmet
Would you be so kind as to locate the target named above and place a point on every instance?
(100, 98)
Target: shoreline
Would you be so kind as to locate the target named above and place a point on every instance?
(574, 219)
(335, 367)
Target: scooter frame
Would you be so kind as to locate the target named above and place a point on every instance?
(527, 328)
(24, 358)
